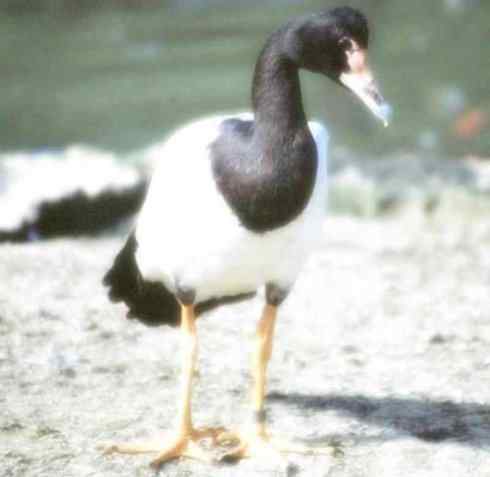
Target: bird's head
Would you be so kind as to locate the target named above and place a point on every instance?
(335, 44)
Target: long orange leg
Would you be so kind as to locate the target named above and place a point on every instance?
(261, 358)
(258, 442)
(184, 441)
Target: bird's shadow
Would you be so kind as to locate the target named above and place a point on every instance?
(431, 421)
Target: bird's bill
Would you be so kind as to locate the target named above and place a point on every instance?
(359, 80)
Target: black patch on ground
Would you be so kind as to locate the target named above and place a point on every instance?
(430, 421)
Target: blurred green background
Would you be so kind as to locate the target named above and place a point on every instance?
(121, 74)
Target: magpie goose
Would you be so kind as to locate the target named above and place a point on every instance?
(236, 203)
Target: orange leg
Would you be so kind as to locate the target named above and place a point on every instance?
(184, 443)
(258, 442)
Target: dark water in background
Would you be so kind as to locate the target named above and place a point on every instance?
(121, 78)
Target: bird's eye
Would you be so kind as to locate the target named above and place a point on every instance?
(346, 43)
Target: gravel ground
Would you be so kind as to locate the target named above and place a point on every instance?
(381, 353)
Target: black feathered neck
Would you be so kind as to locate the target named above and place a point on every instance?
(276, 92)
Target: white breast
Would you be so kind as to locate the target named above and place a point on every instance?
(187, 232)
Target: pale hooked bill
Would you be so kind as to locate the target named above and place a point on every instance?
(360, 81)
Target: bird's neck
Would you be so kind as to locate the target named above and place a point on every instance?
(276, 93)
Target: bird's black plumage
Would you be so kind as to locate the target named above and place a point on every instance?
(266, 170)
(149, 302)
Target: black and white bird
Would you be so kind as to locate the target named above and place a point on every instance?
(236, 204)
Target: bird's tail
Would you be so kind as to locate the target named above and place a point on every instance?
(148, 302)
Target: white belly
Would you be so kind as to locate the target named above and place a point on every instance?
(186, 232)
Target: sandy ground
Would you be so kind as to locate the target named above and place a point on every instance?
(382, 353)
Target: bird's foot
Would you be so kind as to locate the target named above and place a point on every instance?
(262, 445)
(184, 444)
